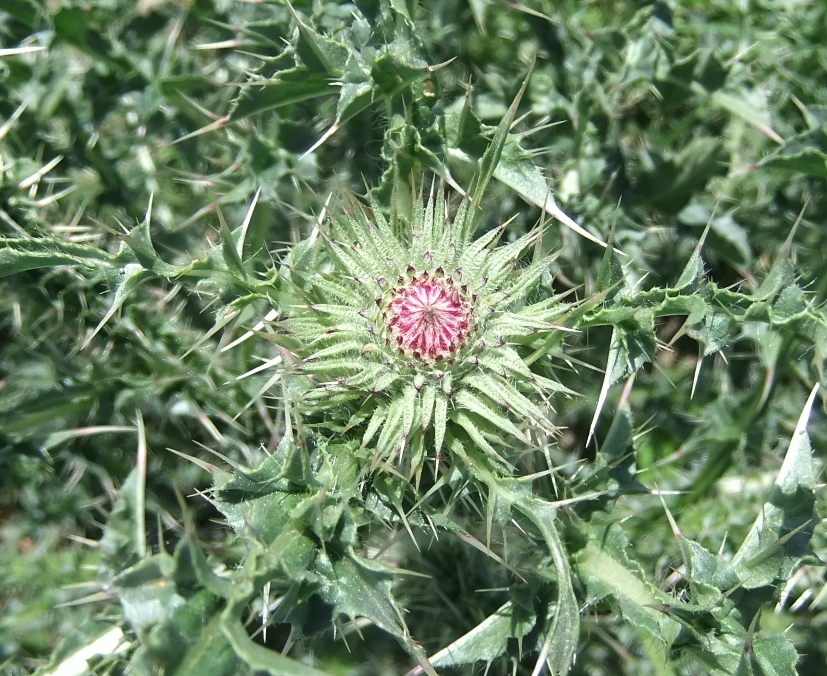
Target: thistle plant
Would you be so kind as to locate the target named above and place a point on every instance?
(395, 497)
(417, 331)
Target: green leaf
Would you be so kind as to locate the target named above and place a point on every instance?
(188, 641)
(147, 592)
(359, 588)
(229, 249)
(716, 332)
(750, 106)
(771, 656)
(287, 88)
(708, 574)
(139, 240)
(261, 502)
(124, 542)
(610, 278)
(480, 406)
(390, 438)
(606, 571)
(489, 639)
(780, 536)
(356, 92)
(319, 53)
(26, 12)
(440, 421)
(376, 420)
(21, 254)
(805, 154)
(257, 657)
(559, 644)
(491, 157)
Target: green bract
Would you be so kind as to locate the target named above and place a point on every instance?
(420, 333)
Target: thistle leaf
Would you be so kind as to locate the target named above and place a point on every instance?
(409, 409)
(488, 639)
(427, 405)
(491, 157)
(472, 429)
(391, 435)
(330, 366)
(486, 409)
(375, 423)
(338, 348)
(440, 421)
(384, 381)
(780, 536)
(499, 265)
(370, 375)
(475, 257)
(507, 396)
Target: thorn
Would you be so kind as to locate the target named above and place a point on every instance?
(333, 129)
(439, 66)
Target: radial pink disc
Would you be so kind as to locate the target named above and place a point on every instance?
(429, 318)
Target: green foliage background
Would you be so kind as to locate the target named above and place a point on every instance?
(154, 173)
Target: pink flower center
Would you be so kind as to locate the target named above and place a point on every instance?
(429, 318)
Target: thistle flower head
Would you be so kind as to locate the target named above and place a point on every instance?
(418, 333)
(428, 317)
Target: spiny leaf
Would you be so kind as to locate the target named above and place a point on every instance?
(472, 429)
(491, 157)
(391, 435)
(384, 381)
(427, 406)
(375, 423)
(330, 366)
(501, 261)
(507, 396)
(409, 410)
(481, 406)
(440, 420)
(605, 569)
(475, 256)
(780, 536)
(21, 254)
(488, 639)
(336, 349)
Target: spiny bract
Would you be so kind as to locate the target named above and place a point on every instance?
(418, 333)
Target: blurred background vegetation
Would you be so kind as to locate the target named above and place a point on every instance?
(649, 120)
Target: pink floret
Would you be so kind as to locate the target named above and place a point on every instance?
(429, 318)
